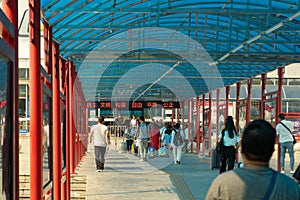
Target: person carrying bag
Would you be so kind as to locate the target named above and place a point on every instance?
(230, 141)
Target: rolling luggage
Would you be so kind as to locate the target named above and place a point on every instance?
(215, 160)
(135, 149)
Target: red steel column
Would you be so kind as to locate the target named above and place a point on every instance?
(56, 122)
(263, 97)
(218, 110)
(209, 123)
(36, 161)
(237, 108)
(71, 118)
(227, 99)
(86, 127)
(182, 115)
(68, 127)
(198, 125)
(280, 72)
(203, 123)
(190, 114)
(10, 8)
(248, 105)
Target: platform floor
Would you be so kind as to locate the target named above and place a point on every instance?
(126, 177)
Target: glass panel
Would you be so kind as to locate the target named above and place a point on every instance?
(47, 139)
(22, 90)
(4, 139)
(23, 73)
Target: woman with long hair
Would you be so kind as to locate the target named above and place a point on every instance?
(231, 143)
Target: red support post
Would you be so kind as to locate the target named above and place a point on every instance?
(72, 118)
(198, 125)
(36, 161)
(218, 118)
(227, 99)
(263, 97)
(86, 127)
(68, 131)
(237, 108)
(56, 122)
(182, 115)
(203, 122)
(190, 114)
(248, 105)
(10, 8)
(280, 72)
(209, 122)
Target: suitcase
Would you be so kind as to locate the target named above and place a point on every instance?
(136, 150)
(215, 160)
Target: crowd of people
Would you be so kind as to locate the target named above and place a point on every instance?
(152, 139)
(255, 180)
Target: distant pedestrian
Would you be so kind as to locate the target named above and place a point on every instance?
(143, 138)
(119, 120)
(129, 135)
(177, 143)
(256, 180)
(284, 129)
(154, 132)
(133, 122)
(166, 137)
(231, 143)
(186, 139)
(101, 140)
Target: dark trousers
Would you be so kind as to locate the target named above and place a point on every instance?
(129, 144)
(227, 158)
(99, 156)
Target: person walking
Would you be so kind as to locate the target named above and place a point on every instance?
(166, 137)
(177, 143)
(255, 180)
(231, 143)
(101, 140)
(129, 135)
(143, 137)
(284, 130)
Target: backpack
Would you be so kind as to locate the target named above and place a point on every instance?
(178, 140)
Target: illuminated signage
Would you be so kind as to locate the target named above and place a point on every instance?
(132, 105)
(136, 105)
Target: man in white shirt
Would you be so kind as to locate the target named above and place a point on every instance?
(101, 140)
(177, 143)
(284, 129)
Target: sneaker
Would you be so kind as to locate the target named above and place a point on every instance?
(292, 171)
(282, 171)
(175, 162)
(98, 170)
(178, 162)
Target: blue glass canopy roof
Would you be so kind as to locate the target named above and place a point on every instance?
(172, 49)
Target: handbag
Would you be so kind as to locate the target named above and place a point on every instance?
(294, 139)
(220, 146)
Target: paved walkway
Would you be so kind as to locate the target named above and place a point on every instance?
(126, 177)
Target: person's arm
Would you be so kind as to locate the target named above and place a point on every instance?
(91, 136)
(108, 137)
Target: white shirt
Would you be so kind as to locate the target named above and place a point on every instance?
(133, 122)
(99, 131)
(284, 134)
(229, 141)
